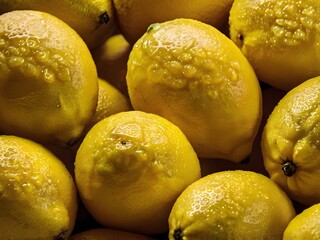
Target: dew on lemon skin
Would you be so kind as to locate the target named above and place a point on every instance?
(15, 61)
(307, 22)
(22, 174)
(30, 70)
(192, 63)
(174, 67)
(189, 71)
(41, 56)
(293, 22)
(33, 59)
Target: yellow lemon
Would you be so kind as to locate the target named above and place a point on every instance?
(48, 79)
(279, 38)
(110, 101)
(290, 143)
(135, 16)
(254, 162)
(131, 167)
(305, 225)
(108, 234)
(93, 20)
(111, 61)
(37, 194)
(197, 78)
(231, 205)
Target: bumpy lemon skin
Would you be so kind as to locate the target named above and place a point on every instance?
(138, 164)
(279, 38)
(48, 81)
(38, 197)
(232, 204)
(291, 135)
(211, 93)
(93, 20)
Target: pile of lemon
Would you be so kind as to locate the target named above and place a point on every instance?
(159, 119)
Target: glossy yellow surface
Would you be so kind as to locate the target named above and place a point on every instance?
(37, 194)
(291, 140)
(279, 38)
(93, 20)
(231, 205)
(194, 76)
(305, 225)
(48, 87)
(131, 167)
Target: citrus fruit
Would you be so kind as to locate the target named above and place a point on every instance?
(110, 101)
(231, 205)
(290, 143)
(111, 61)
(48, 80)
(279, 38)
(254, 162)
(108, 234)
(305, 225)
(37, 194)
(134, 16)
(193, 75)
(93, 20)
(138, 163)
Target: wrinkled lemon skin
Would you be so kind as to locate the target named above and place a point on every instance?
(279, 38)
(193, 75)
(38, 197)
(48, 81)
(291, 136)
(138, 163)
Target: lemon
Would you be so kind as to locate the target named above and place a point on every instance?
(111, 61)
(110, 101)
(93, 20)
(193, 75)
(290, 143)
(279, 38)
(37, 194)
(108, 234)
(305, 225)
(131, 167)
(254, 162)
(48, 79)
(231, 205)
(134, 16)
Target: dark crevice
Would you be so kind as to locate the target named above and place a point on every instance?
(62, 235)
(104, 18)
(289, 168)
(178, 235)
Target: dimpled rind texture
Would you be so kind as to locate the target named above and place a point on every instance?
(193, 75)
